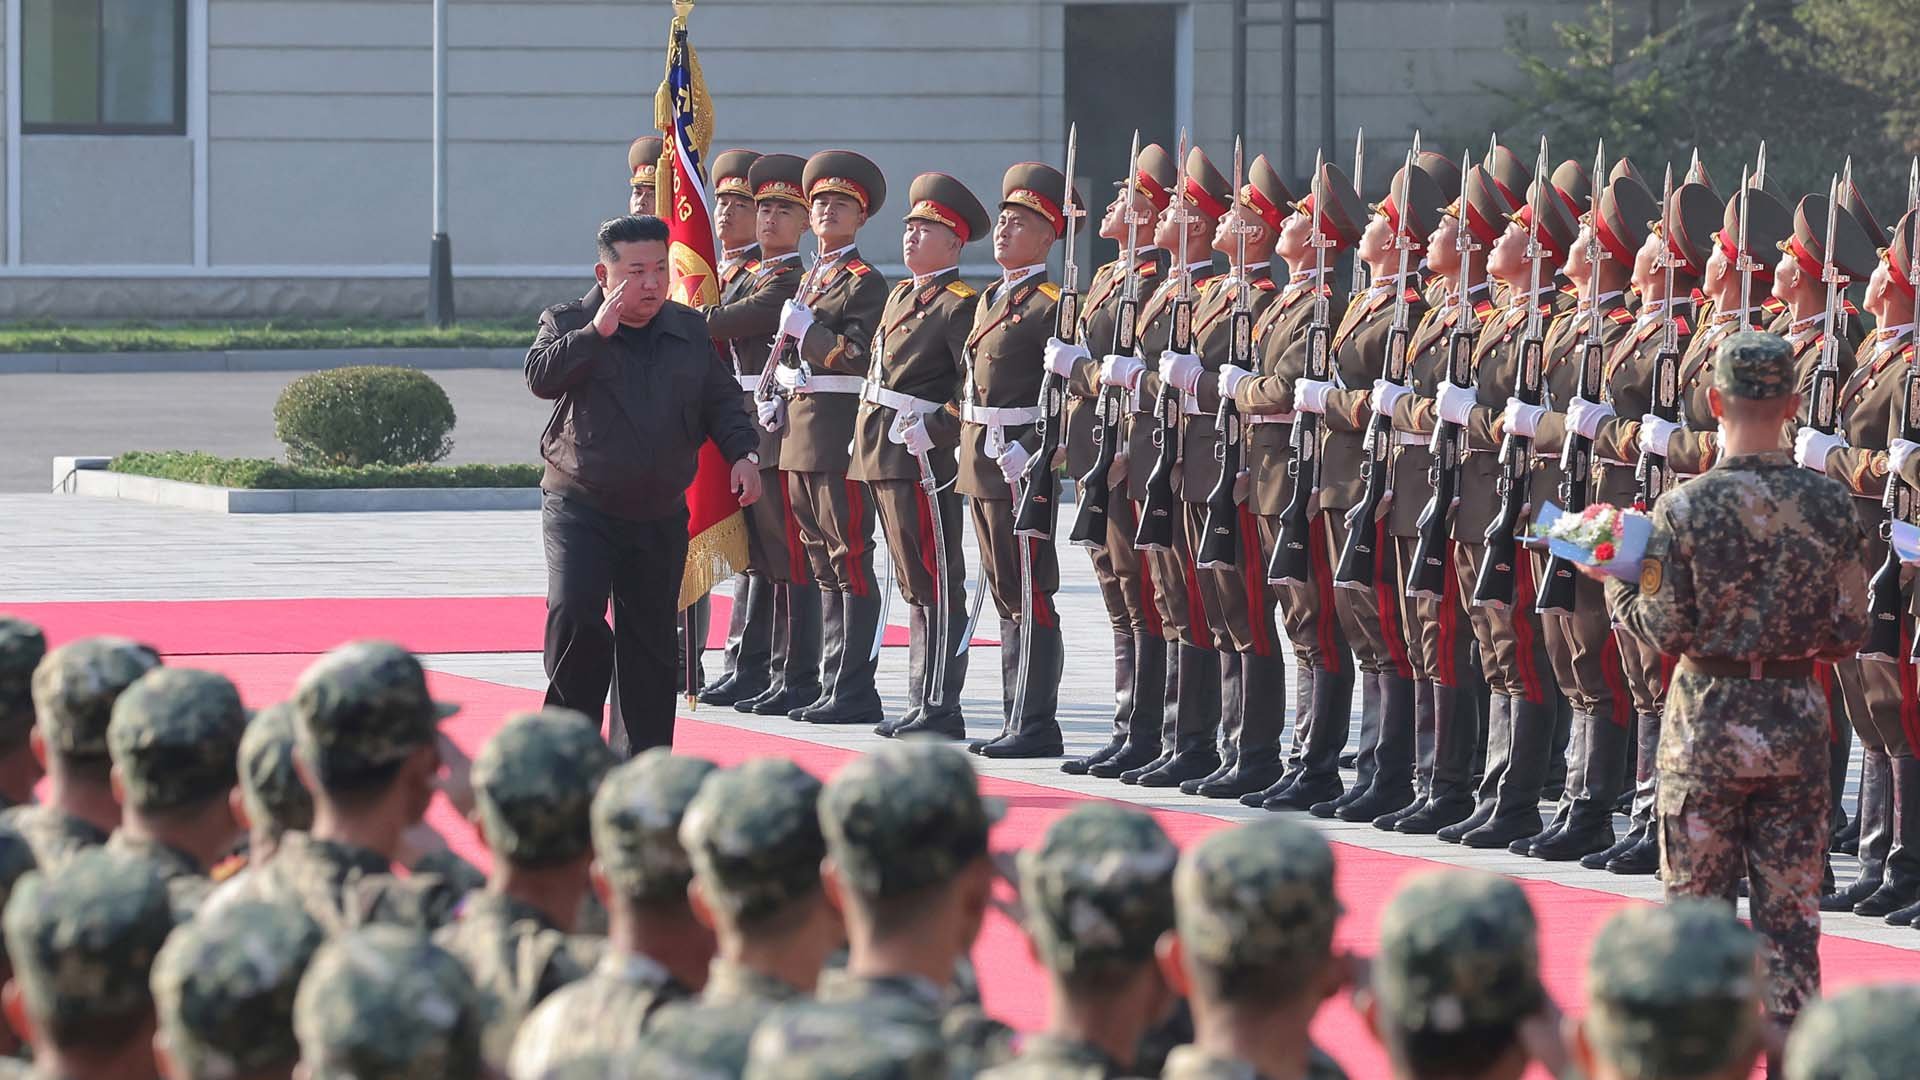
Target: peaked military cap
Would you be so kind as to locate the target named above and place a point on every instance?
(175, 737)
(1854, 202)
(1695, 213)
(225, 987)
(1626, 210)
(1509, 174)
(1556, 229)
(1754, 364)
(1444, 172)
(905, 816)
(386, 1003)
(362, 706)
(1266, 194)
(1259, 895)
(268, 781)
(1575, 188)
(643, 159)
(1769, 224)
(533, 782)
(1343, 218)
(941, 199)
(1482, 206)
(1853, 251)
(1098, 889)
(1207, 190)
(849, 174)
(1458, 950)
(1040, 188)
(1625, 167)
(636, 819)
(1153, 175)
(730, 171)
(22, 646)
(778, 176)
(753, 836)
(1674, 990)
(1898, 256)
(82, 938)
(1424, 202)
(1860, 1033)
(75, 685)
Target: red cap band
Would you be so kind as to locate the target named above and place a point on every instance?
(1805, 258)
(1258, 202)
(1155, 192)
(1614, 245)
(929, 210)
(1039, 204)
(1203, 199)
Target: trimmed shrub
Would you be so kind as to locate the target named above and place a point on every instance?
(366, 415)
(194, 467)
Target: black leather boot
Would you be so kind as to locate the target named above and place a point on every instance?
(1392, 786)
(1123, 669)
(853, 699)
(944, 717)
(1363, 759)
(919, 650)
(749, 643)
(1145, 711)
(1901, 884)
(1290, 766)
(1424, 745)
(1193, 756)
(1599, 859)
(1449, 793)
(1499, 753)
(1516, 812)
(1555, 784)
(1232, 702)
(1263, 719)
(1035, 726)
(1196, 720)
(1319, 777)
(833, 648)
(798, 657)
(1876, 832)
(1639, 860)
(1595, 781)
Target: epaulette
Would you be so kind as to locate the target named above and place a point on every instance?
(751, 265)
(1773, 305)
(1570, 289)
(858, 268)
(1849, 308)
(1621, 315)
(1680, 325)
(1265, 284)
(960, 289)
(1483, 308)
(1051, 290)
(1413, 295)
(1148, 268)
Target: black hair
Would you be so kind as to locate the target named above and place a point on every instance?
(629, 229)
(1467, 1052)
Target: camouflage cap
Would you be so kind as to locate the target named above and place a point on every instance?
(224, 988)
(175, 737)
(636, 824)
(1674, 990)
(1458, 950)
(1860, 1033)
(1754, 364)
(533, 782)
(827, 1043)
(753, 834)
(904, 816)
(83, 938)
(74, 688)
(16, 859)
(386, 1003)
(22, 646)
(362, 706)
(1260, 895)
(268, 781)
(1098, 889)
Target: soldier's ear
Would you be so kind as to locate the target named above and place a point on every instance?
(1171, 956)
(37, 743)
(164, 1060)
(237, 804)
(118, 784)
(830, 886)
(14, 1004)
(1579, 1048)
(1368, 1007)
(597, 880)
(698, 904)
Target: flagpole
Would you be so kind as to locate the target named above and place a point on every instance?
(440, 256)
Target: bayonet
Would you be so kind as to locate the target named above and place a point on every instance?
(1291, 562)
(1090, 522)
(1218, 547)
(1359, 283)
(1559, 594)
(1158, 509)
(1743, 259)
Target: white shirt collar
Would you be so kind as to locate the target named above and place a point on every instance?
(922, 279)
(1818, 318)
(1261, 265)
(1301, 277)
(836, 253)
(734, 255)
(1010, 278)
(779, 258)
(1892, 333)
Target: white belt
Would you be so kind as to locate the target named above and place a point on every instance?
(1412, 438)
(897, 401)
(748, 383)
(1256, 419)
(1000, 418)
(1618, 464)
(1189, 405)
(830, 384)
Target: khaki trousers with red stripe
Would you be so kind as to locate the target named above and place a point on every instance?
(1586, 654)
(1125, 588)
(1176, 592)
(1000, 552)
(1370, 617)
(907, 523)
(1307, 610)
(775, 552)
(1237, 601)
(1438, 635)
(834, 520)
(1513, 646)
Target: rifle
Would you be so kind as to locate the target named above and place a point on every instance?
(1291, 563)
(1356, 569)
(1652, 471)
(1360, 280)
(1218, 532)
(1039, 483)
(785, 345)
(1558, 586)
(1158, 511)
(1090, 523)
(1886, 603)
(1744, 260)
(1427, 578)
(1823, 397)
(1494, 585)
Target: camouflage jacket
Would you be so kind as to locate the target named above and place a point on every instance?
(341, 887)
(1193, 1063)
(717, 1028)
(187, 885)
(1056, 1057)
(1755, 560)
(604, 1013)
(54, 835)
(975, 1041)
(516, 957)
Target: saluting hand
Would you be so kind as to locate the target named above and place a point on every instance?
(607, 319)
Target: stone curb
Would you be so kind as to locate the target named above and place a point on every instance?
(119, 363)
(84, 475)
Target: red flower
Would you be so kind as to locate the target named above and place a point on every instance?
(1593, 511)
(1604, 552)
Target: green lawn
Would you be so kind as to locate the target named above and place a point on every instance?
(48, 337)
(262, 473)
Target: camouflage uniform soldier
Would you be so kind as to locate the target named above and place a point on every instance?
(82, 940)
(16, 859)
(822, 1044)
(656, 951)
(1748, 580)
(174, 740)
(1098, 892)
(385, 1003)
(22, 645)
(1254, 910)
(533, 783)
(73, 692)
(1457, 978)
(270, 789)
(1672, 991)
(1861, 1033)
(225, 992)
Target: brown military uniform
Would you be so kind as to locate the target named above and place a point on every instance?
(743, 325)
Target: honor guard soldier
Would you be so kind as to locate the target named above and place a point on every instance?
(1310, 240)
(1004, 368)
(1191, 706)
(1871, 404)
(1095, 414)
(643, 164)
(919, 362)
(1579, 634)
(1439, 643)
(1746, 579)
(1368, 606)
(1678, 239)
(825, 333)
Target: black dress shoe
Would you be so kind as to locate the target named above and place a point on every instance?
(1375, 802)
(1243, 780)
(1027, 744)
(1599, 859)
(1903, 917)
(1844, 899)
(1280, 787)
(1434, 816)
(1569, 844)
(1129, 758)
(1886, 900)
(1498, 833)
(1304, 794)
(1480, 816)
(1639, 860)
(1080, 765)
(1227, 762)
(1132, 776)
(731, 691)
(1190, 764)
(951, 725)
(1348, 761)
(779, 702)
(1386, 822)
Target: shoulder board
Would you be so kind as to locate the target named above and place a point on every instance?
(1051, 290)
(1265, 284)
(1907, 353)
(1414, 295)
(1680, 324)
(960, 289)
(1773, 305)
(1148, 268)
(1621, 316)
(1848, 305)
(1482, 308)
(858, 267)
(751, 266)
(1570, 289)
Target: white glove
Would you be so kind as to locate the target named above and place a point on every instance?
(1013, 462)
(1811, 447)
(1456, 402)
(1061, 357)
(1181, 369)
(1386, 395)
(1310, 395)
(1656, 433)
(787, 378)
(1231, 377)
(1120, 371)
(1898, 451)
(1585, 416)
(1521, 418)
(795, 319)
(910, 431)
(773, 414)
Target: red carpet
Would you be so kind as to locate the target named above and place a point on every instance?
(1013, 984)
(437, 624)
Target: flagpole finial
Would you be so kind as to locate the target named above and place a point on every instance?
(682, 8)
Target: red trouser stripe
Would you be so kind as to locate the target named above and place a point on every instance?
(1332, 656)
(1042, 603)
(1448, 674)
(1254, 576)
(1524, 630)
(798, 567)
(1615, 676)
(1196, 609)
(1386, 597)
(1667, 666)
(927, 540)
(1147, 606)
(856, 538)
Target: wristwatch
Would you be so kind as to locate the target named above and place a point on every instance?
(753, 456)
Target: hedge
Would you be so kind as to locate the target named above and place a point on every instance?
(194, 467)
(364, 415)
(45, 337)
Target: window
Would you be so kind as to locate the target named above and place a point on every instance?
(104, 67)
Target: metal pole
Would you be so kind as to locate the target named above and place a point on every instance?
(440, 258)
(1240, 68)
(1290, 89)
(1326, 80)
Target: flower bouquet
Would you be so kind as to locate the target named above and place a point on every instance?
(1602, 536)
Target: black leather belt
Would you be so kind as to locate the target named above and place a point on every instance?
(1721, 668)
